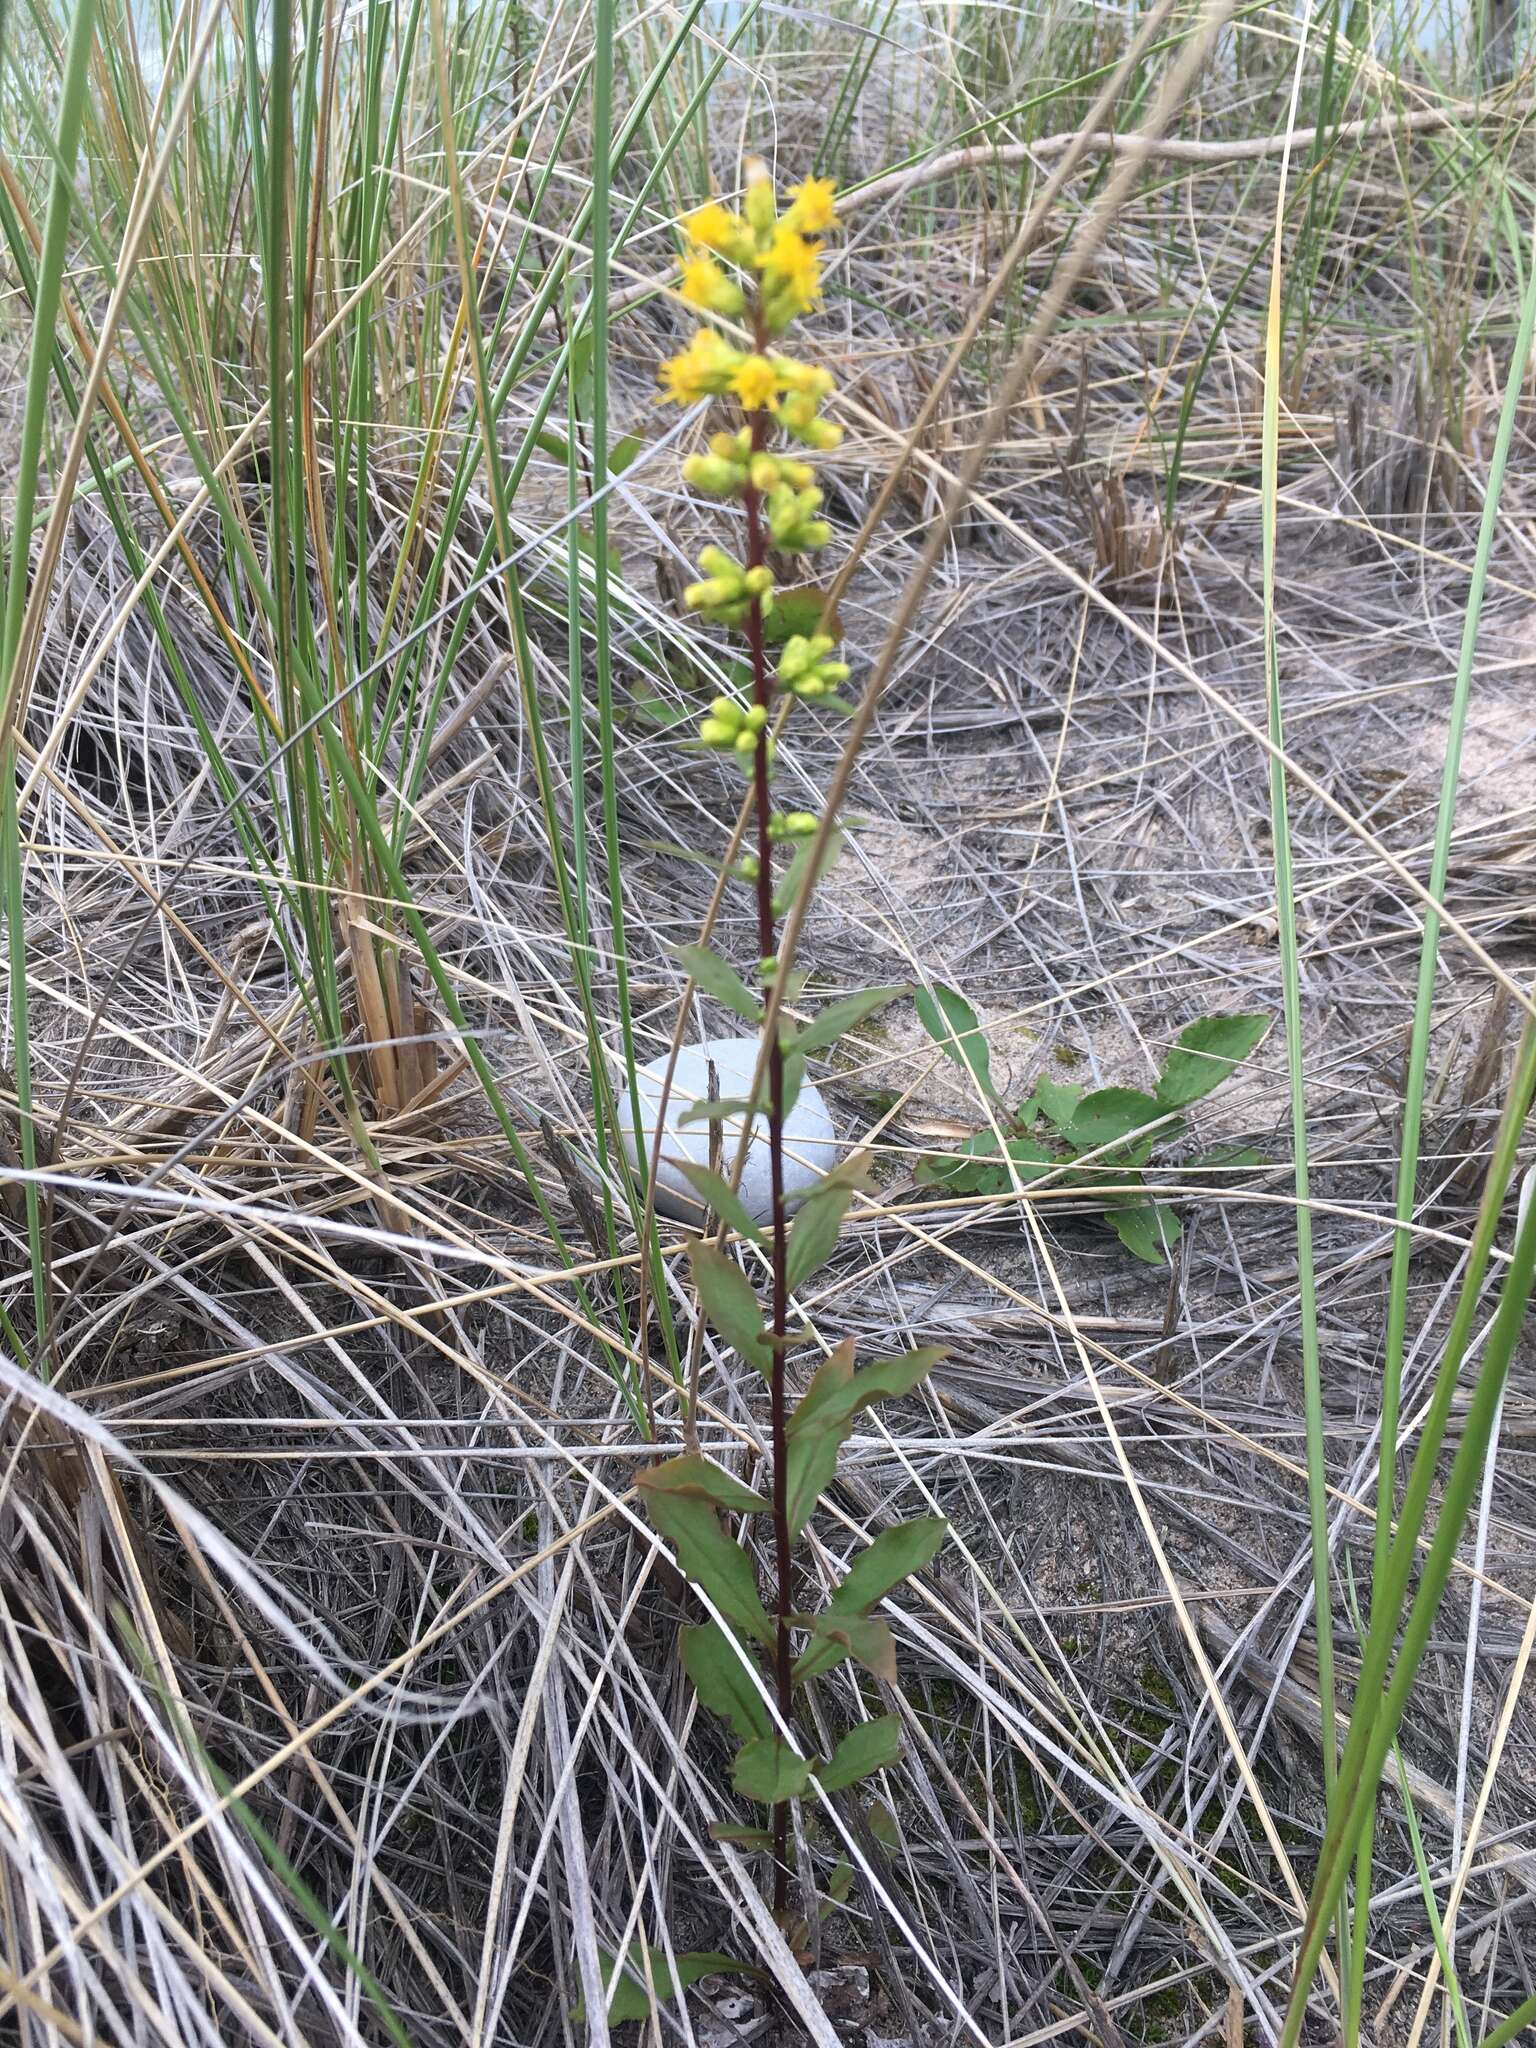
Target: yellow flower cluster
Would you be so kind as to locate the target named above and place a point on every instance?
(780, 249)
(763, 264)
(732, 463)
(710, 368)
(779, 253)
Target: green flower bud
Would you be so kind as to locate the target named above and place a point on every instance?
(804, 669)
(791, 521)
(796, 413)
(756, 718)
(746, 741)
(714, 732)
(712, 475)
(791, 825)
(759, 204)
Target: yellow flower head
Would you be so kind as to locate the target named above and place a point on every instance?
(705, 284)
(711, 227)
(814, 210)
(755, 382)
(791, 268)
(703, 370)
(701, 274)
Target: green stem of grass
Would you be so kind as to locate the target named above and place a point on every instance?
(1295, 1050)
(45, 312)
(1379, 1705)
(1418, 1061)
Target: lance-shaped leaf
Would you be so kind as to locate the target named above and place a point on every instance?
(813, 1236)
(630, 2000)
(716, 1193)
(1203, 1056)
(798, 875)
(950, 1022)
(828, 1025)
(870, 1747)
(793, 1080)
(723, 1682)
(721, 980)
(768, 1769)
(730, 1302)
(681, 1497)
(836, 1636)
(831, 1404)
(894, 1555)
(705, 1111)
(692, 1473)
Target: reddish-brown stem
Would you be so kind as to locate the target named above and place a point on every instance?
(762, 693)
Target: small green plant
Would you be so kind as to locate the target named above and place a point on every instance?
(748, 1661)
(1060, 1123)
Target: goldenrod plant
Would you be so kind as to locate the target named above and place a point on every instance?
(761, 267)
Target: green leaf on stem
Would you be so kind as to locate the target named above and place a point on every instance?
(768, 1769)
(835, 1398)
(721, 980)
(798, 875)
(976, 1167)
(723, 1682)
(1110, 1114)
(835, 1636)
(793, 1080)
(895, 1554)
(872, 1746)
(828, 1025)
(703, 1479)
(680, 1497)
(744, 1838)
(630, 1999)
(1056, 1101)
(716, 1193)
(881, 1822)
(706, 1112)
(1203, 1056)
(730, 1302)
(813, 1235)
(1149, 1229)
(951, 1023)
(800, 609)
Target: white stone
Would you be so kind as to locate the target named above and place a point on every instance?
(810, 1143)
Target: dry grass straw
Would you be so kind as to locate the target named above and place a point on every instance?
(338, 1696)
